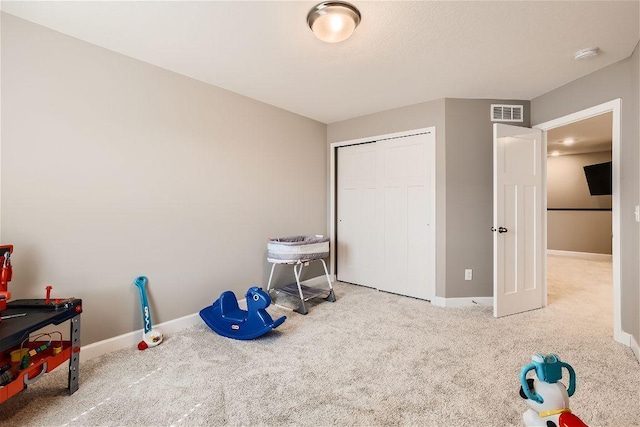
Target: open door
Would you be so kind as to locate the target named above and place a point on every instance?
(518, 203)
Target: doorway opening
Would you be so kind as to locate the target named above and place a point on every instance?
(579, 212)
(597, 113)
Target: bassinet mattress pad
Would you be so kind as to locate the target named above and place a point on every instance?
(297, 248)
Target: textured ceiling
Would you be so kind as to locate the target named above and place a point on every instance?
(402, 53)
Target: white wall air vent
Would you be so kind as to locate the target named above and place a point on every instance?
(506, 113)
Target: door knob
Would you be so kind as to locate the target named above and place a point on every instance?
(502, 230)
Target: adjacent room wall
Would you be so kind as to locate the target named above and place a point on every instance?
(566, 182)
(618, 80)
(114, 168)
(568, 228)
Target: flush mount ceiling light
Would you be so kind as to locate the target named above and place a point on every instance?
(586, 53)
(333, 21)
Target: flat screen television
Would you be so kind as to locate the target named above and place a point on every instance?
(598, 178)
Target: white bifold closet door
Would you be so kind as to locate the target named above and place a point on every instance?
(385, 215)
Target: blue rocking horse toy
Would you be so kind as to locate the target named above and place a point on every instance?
(227, 319)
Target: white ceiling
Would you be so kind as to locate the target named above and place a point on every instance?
(402, 53)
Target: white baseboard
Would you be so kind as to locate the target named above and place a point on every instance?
(131, 339)
(622, 337)
(635, 347)
(462, 302)
(581, 255)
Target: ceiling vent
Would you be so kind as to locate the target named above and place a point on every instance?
(506, 113)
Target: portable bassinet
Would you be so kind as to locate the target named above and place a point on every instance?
(297, 248)
(299, 251)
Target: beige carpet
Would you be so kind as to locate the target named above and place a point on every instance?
(369, 359)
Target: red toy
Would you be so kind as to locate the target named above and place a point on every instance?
(5, 274)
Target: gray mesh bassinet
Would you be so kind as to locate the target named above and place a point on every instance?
(297, 248)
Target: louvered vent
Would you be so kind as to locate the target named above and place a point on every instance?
(506, 113)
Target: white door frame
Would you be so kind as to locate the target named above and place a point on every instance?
(614, 107)
(333, 193)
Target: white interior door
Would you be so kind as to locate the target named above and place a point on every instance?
(385, 215)
(517, 220)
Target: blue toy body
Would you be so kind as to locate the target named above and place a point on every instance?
(227, 319)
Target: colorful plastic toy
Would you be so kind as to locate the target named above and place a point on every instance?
(5, 275)
(150, 337)
(227, 319)
(547, 397)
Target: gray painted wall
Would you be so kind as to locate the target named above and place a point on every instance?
(113, 168)
(570, 230)
(470, 194)
(618, 80)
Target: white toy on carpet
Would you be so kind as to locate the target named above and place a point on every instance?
(547, 397)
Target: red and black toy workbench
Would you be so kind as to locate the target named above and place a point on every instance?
(24, 362)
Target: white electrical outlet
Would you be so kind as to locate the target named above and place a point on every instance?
(468, 274)
(637, 213)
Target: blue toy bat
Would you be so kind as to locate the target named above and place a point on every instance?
(150, 337)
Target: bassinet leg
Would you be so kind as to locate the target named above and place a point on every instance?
(302, 309)
(273, 266)
(332, 296)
